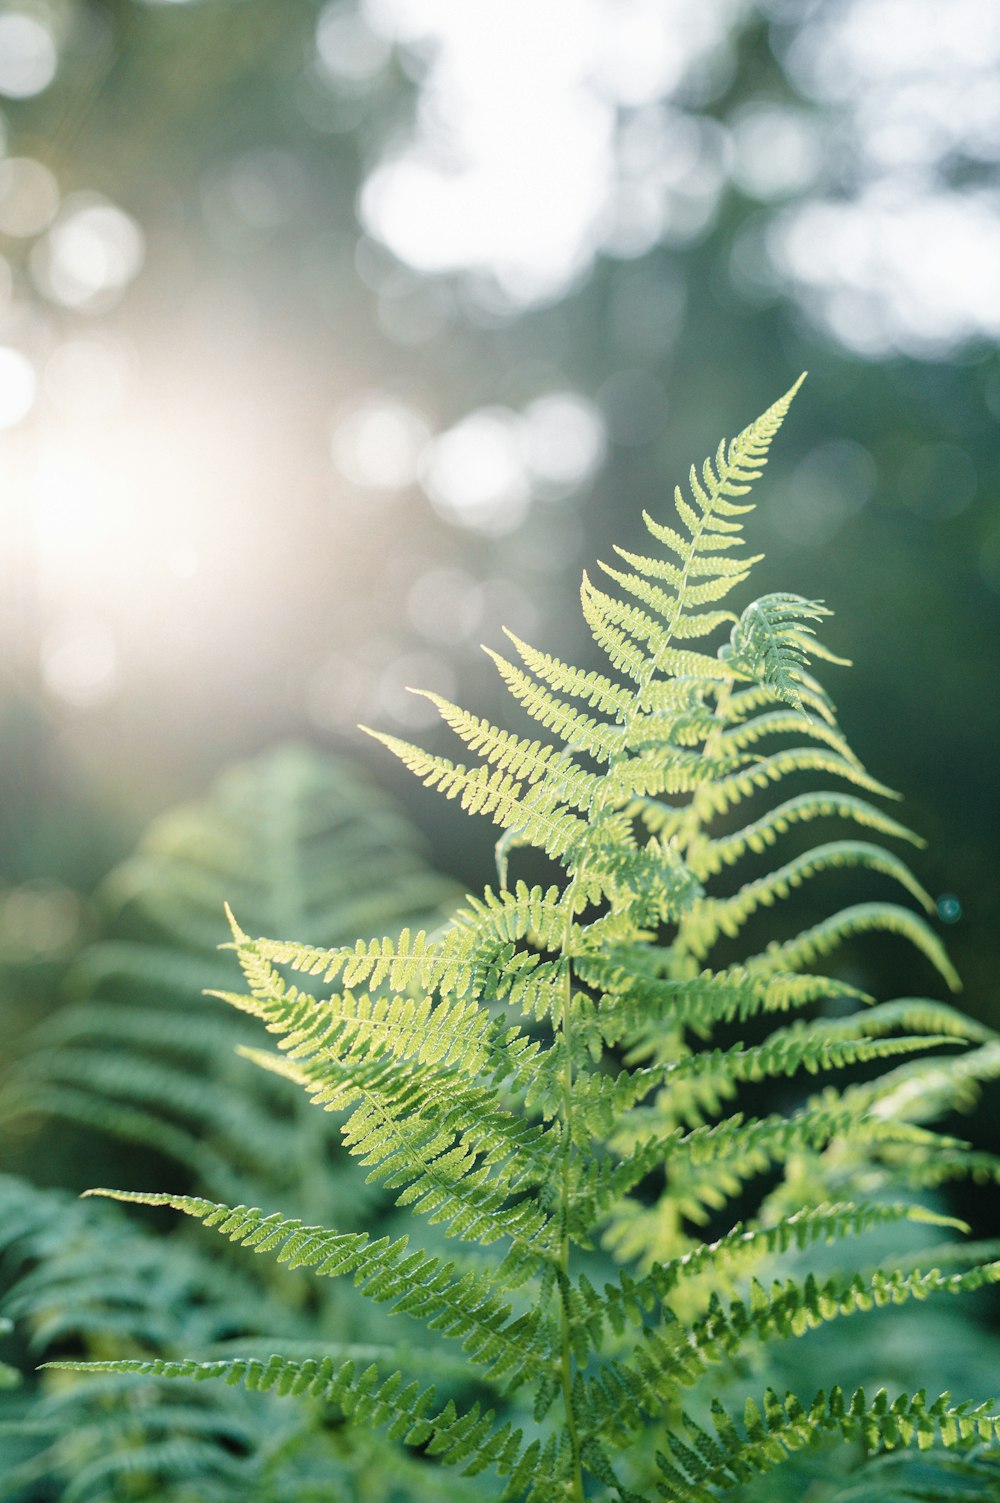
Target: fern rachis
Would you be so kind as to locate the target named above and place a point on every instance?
(520, 1077)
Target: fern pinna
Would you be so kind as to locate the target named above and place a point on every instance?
(530, 1078)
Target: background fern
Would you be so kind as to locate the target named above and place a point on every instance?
(127, 1066)
(523, 1077)
(307, 848)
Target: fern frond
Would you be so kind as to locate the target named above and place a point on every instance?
(710, 521)
(920, 1014)
(790, 1308)
(769, 643)
(478, 936)
(861, 918)
(713, 1074)
(732, 571)
(631, 1299)
(467, 1439)
(708, 856)
(921, 1094)
(785, 722)
(633, 639)
(600, 738)
(300, 844)
(634, 1007)
(450, 1033)
(144, 1128)
(454, 1031)
(451, 1155)
(780, 1426)
(594, 689)
(701, 1083)
(677, 1356)
(394, 961)
(589, 1122)
(709, 543)
(526, 760)
(726, 792)
(666, 606)
(710, 1164)
(542, 820)
(514, 914)
(464, 1308)
(714, 916)
(133, 1081)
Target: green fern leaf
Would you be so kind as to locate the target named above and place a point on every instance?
(861, 918)
(769, 643)
(467, 1439)
(464, 1308)
(525, 1076)
(771, 1432)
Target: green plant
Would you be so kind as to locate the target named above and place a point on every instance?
(150, 1085)
(528, 1077)
(300, 843)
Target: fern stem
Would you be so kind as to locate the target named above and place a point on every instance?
(566, 1374)
(694, 821)
(566, 1352)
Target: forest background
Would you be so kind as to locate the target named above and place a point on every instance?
(334, 337)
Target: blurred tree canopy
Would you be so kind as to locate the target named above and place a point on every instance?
(333, 337)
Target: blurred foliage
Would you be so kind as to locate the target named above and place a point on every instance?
(292, 840)
(142, 1070)
(211, 569)
(238, 138)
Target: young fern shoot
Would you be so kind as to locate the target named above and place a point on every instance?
(529, 1078)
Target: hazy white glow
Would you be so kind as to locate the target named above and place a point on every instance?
(563, 439)
(86, 377)
(634, 219)
(29, 197)
(348, 51)
(91, 253)
(644, 51)
(918, 272)
(483, 472)
(119, 504)
(920, 76)
(443, 605)
(183, 562)
(529, 227)
(476, 474)
(408, 21)
(776, 150)
(340, 692)
(512, 169)
(910, 260)
(140, 513)
(80, 661)
(379, 444)
(81, 504)
(28, 56)
(18, 387)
